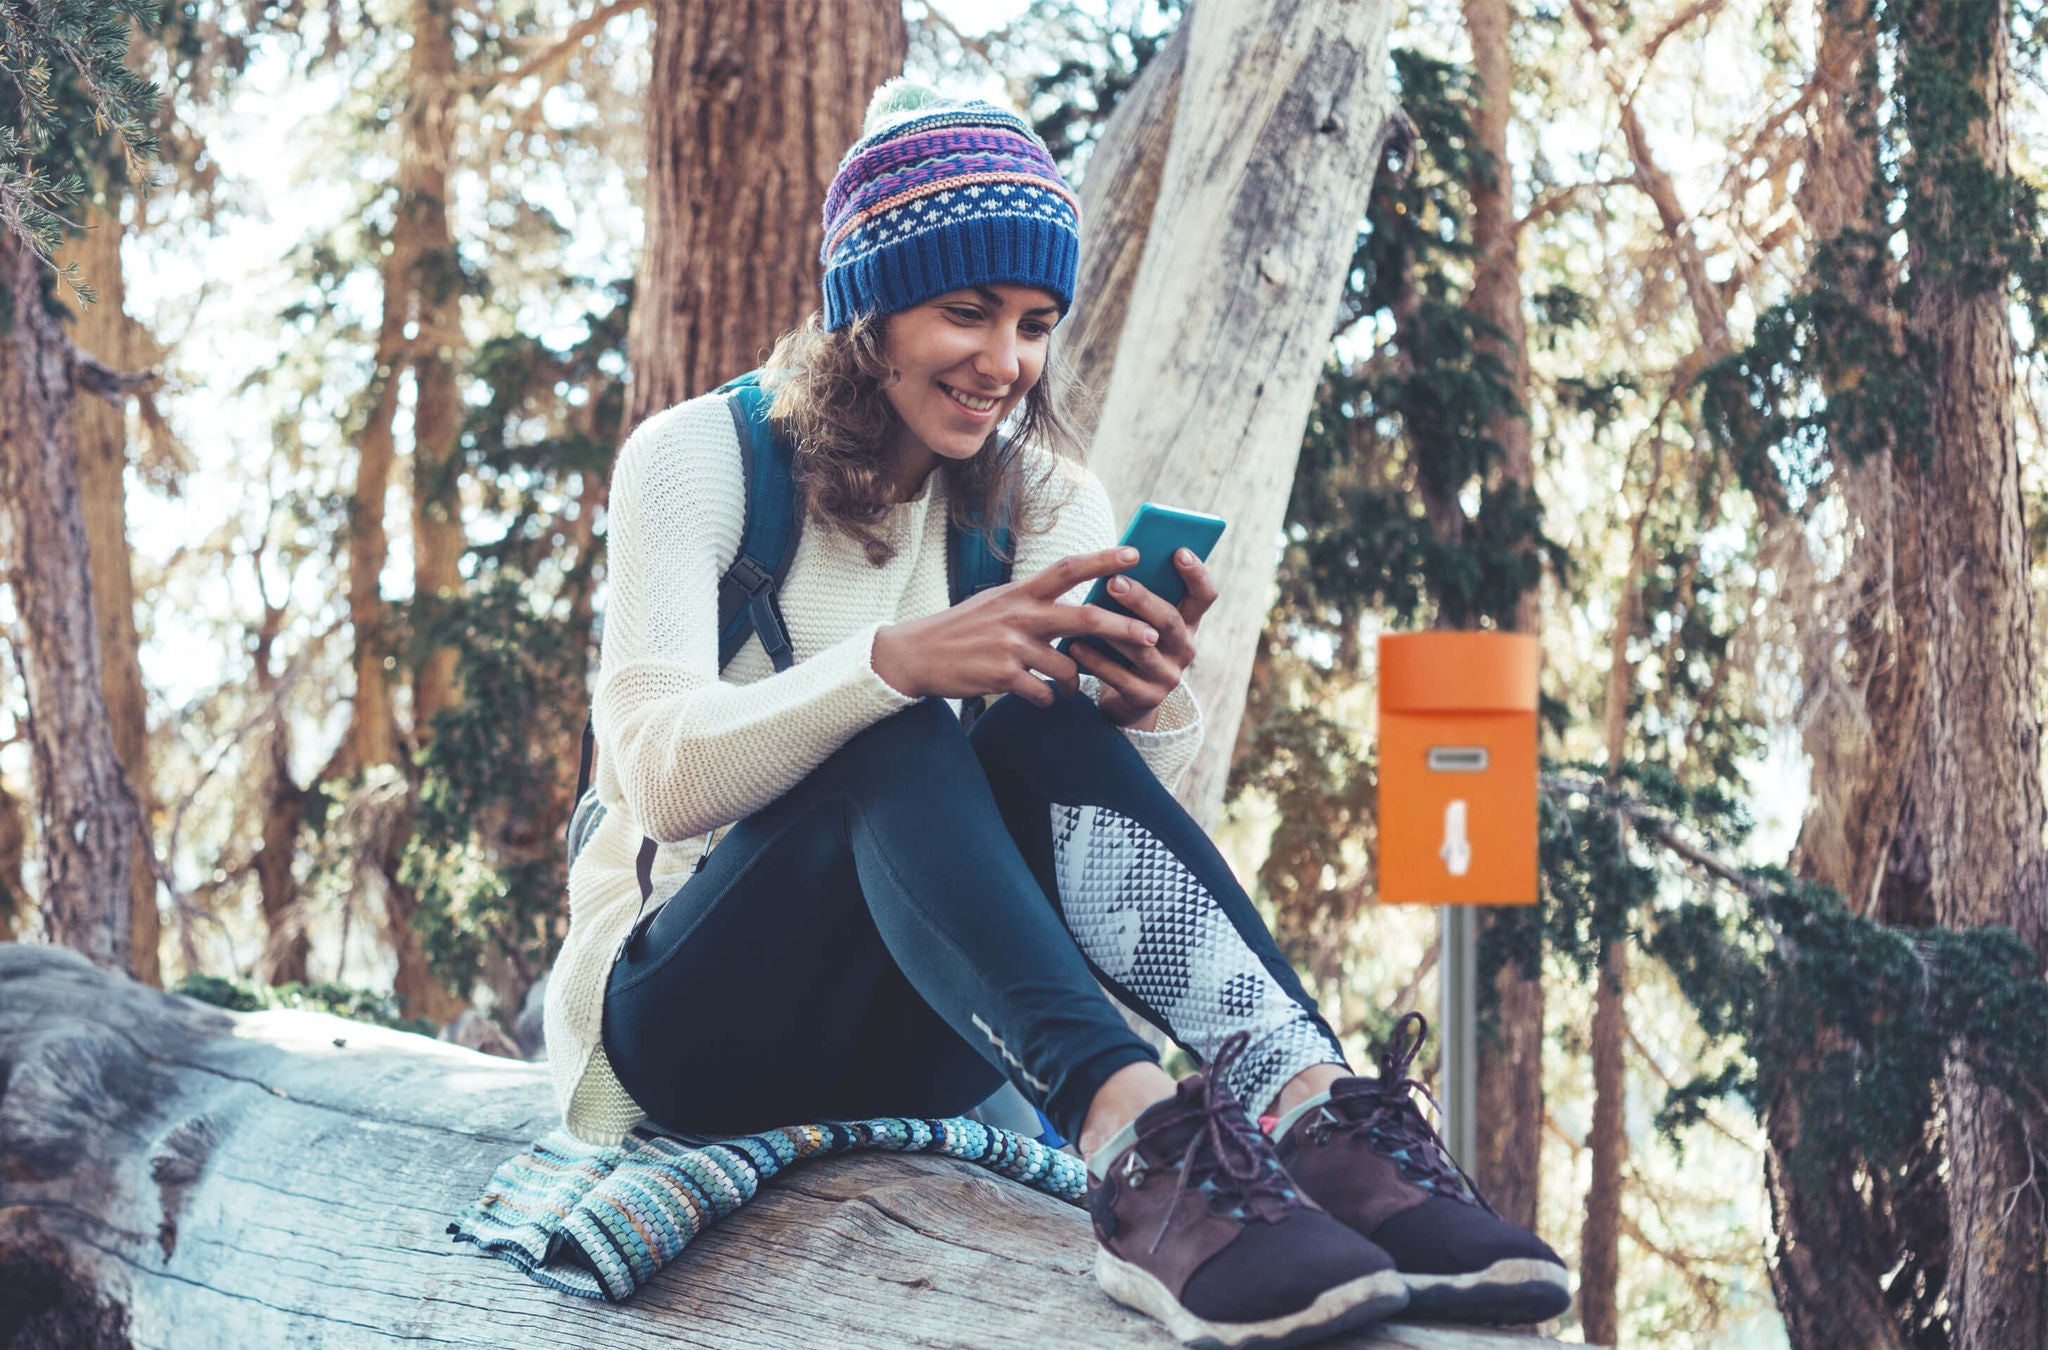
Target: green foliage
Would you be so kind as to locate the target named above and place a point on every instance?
(71, 111)
(1852, 1018)
(1084, 86)
(1413, 422)
(359, 1005)
(486, 855)
(1847, 368)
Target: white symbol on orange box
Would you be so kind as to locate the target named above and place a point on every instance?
(1457, 849)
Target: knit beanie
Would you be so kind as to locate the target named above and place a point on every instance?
(941, 193)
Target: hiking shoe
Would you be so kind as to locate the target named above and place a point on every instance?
(1364, 1152)
(1198, 1225)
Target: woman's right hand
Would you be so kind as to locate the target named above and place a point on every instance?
(991, 642)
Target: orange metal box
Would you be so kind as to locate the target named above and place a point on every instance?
(1458, 768)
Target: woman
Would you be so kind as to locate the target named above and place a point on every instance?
(899, 914)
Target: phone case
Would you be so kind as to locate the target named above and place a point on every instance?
(1155, 531)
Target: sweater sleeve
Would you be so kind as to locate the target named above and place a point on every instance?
(1083, 522)
(690, 752)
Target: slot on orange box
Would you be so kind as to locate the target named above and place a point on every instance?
(1457, 768)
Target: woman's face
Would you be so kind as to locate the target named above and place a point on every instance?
(985, 342)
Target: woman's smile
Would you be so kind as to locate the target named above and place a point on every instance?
(976, 409)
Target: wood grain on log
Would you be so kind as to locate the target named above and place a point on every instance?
(175, 1175)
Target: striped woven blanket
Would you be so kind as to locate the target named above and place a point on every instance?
(598, 1222)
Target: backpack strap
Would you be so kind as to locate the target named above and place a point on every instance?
(747, 602)
(747, 593)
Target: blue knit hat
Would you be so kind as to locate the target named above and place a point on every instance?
(942, 193)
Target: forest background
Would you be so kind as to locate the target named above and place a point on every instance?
(1655, 356)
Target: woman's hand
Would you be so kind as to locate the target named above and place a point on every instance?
(1131, 695)
(991, 643)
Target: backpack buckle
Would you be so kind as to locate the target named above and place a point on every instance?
(756, 587)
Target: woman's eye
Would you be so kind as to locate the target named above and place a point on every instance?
(965, 313)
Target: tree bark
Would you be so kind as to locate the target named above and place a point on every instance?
(1984, 812)
(437, 347)
(14, 906)
(86, 814)
(742, 144)
(175, 1175)
(1600, 1243)
(1509, 1108)
(1118, 190)
(420, 295)
(1862, 735)
(1607, 1140)
(1273, 147)
(286, 945)
(100, 429)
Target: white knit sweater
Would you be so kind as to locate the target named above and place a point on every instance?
(683, 752)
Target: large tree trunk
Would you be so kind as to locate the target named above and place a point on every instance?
(85, 812)
(1274, 142)
(730, 255)
(174, 1175)
(1118, 190)
(1862, 735)
(100, 427)
(1509, 1079)
(1984, 812)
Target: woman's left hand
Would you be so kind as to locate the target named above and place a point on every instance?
(1131, 695)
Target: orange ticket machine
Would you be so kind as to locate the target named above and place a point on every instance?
(1457, 768)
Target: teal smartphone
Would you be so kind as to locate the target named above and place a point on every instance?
(1155, 531)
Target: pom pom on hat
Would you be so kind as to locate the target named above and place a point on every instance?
(899, 95)
(941, 193)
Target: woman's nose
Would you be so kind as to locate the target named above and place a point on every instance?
(997, 361)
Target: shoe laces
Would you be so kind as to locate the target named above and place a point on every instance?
(1227, 1155)
(1383, 1113)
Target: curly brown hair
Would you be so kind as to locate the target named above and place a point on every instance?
(828, 401)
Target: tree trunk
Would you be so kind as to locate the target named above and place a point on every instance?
(421, 289)
(1862, 736)
(1600, 1244)
(176, 1175)
(424, 166)
(1274, 142)
(100, 427)
(1607, 1140)
(1984, 811)
(86, 814)
(14, 906)
(730, 256)
(1118, 190)
(1509, 1109)
(286, 945)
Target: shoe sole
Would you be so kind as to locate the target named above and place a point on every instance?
(1341, 1308)
(1507, 1292)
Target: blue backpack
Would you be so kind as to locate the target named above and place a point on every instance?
(747, 601)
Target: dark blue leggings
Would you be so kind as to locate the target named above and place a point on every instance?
(927, 913)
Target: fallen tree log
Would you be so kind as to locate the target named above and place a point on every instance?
(175, 1175)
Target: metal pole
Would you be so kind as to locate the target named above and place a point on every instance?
(1457, 1029)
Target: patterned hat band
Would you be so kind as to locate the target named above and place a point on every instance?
(942, 194)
